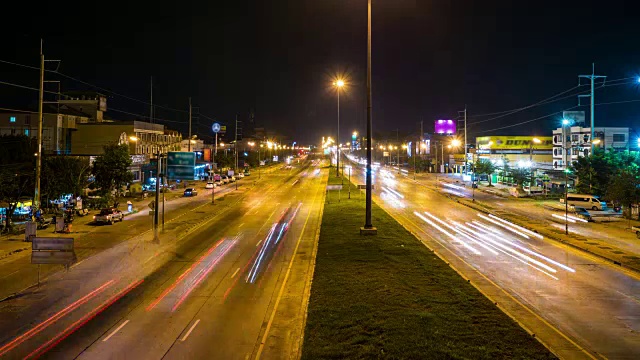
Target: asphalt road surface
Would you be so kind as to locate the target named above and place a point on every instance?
(229, 284)
(591, 304)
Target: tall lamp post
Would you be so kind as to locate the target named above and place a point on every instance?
(565, 123)
(368, 228)
(338, 84)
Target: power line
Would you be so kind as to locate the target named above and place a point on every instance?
(528, 121)
(525, 107)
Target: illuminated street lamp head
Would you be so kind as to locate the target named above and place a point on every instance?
(355, 134)
(338, 83)
(455, 142)
(404, 146)
(565, 121)
(133, 138)
(423, 145)
(536, 140)
(596, 141)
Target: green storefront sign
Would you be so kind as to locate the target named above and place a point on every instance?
(181, 165)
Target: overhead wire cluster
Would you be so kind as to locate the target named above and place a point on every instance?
(99, 88)
(557, 97)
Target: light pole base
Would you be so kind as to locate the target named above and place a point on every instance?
(368, 231)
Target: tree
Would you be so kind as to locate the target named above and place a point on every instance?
(485, 167)
(16, 171)
(625, 188)
(593, 172)
(62, 175)
(111, 170)
(520, 175)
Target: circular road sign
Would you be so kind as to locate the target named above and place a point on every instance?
(215, 127)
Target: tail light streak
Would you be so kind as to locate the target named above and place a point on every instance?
(51, 320)
(82, 321)
(226, 246)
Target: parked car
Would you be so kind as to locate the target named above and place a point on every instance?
(224, 179)
(210, 185)
(232, 178)
(108, 216)
(240, 175)
(586, 201)
(190, 192)
(582, 213)
(636, 229)
(247, 172)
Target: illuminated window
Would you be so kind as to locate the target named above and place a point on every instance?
(12, 119)
(26, 132)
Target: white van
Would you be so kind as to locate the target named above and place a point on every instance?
(586, 201)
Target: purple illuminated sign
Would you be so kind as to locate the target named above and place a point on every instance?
(445, 127)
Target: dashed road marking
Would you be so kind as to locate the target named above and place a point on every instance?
(184, 338)
(115, 331)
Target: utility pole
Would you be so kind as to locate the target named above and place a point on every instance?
(189, 124)
(398, 148)
(466, 169)
(164, 182)
(235, 146)
(36, 197)
(591, 77)
(151, 105)
(157, 201)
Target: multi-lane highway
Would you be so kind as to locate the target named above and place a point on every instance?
(558, 292)
(231, 284)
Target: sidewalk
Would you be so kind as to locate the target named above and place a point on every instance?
(14, 243)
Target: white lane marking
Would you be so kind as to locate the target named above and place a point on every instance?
(258, 243)
(240, 225)
(235, 273)
(190, 330)
(115, 331)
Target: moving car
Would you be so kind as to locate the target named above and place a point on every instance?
(247, 172)
(210, 185)
(232, 178)
(586, 201)
(582, 213)
(108, 216)
(190, 192)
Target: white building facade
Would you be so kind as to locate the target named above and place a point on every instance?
(577, 142)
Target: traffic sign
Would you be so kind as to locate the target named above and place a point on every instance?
(53, 257)
(49, 243)
(215, 127)
(152, 204)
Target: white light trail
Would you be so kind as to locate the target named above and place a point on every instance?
(514, 244)
(454, 229)
(445, 232)
(504, 226)
(534, 234)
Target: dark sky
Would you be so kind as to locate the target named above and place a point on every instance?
(430, 58)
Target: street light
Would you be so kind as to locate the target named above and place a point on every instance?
(368, 228)
(133, 138)
(339, 84)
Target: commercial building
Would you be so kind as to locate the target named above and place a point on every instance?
(144, 139)
(578, 142)
(57, 128)
(530, 151)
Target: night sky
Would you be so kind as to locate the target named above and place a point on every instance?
(278, 58)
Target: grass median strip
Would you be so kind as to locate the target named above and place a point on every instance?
(388, 296)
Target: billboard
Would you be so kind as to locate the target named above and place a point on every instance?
(513, 142)
(207, 155)
(181, 165)
(445, 127)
